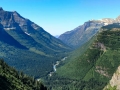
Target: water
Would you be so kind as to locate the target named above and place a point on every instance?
(54, 66)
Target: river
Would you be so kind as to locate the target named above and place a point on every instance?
(56, 64)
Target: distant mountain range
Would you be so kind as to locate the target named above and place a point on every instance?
(24, 44)
(83, 33)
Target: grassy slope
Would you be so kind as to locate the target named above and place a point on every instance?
(96, 66)
(72, 60)
(111, 42)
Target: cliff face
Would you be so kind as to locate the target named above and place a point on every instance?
(115, 81)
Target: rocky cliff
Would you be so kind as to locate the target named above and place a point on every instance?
(115, 80)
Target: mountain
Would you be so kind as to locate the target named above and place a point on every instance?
(27, 46)
(93, 65)
(10, 79)
(28, 33)
(83, 33)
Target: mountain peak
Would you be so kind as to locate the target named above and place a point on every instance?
(1, 9)
(16, 13)
(118, 19)
(118, 16)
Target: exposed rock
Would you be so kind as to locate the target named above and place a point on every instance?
(108, 21)
(115, 81)
(102, 71)
(99, 45)
(11, 20)
(118, 19)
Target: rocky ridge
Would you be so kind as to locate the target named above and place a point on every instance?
(83, 33)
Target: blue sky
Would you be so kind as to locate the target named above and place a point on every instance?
(59, 16)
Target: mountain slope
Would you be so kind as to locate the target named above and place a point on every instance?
(27, 32)
(10, 79)
(83, 33)
(27, 46)
(4, 37)
(94, 68)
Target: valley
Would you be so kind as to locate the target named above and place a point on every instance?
(27, 46)
(86, 58)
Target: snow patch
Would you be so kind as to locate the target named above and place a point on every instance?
(27, 33)
(10, 28)
(105, 23)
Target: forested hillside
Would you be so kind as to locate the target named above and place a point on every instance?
(94, 68)
(10, 79)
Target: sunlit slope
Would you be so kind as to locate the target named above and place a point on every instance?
(95, 67)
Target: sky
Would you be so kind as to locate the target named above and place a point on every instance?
(59, 16)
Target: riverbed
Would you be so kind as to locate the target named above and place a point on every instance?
(56, 64)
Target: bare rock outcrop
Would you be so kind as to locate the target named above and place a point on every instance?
(115, 81)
